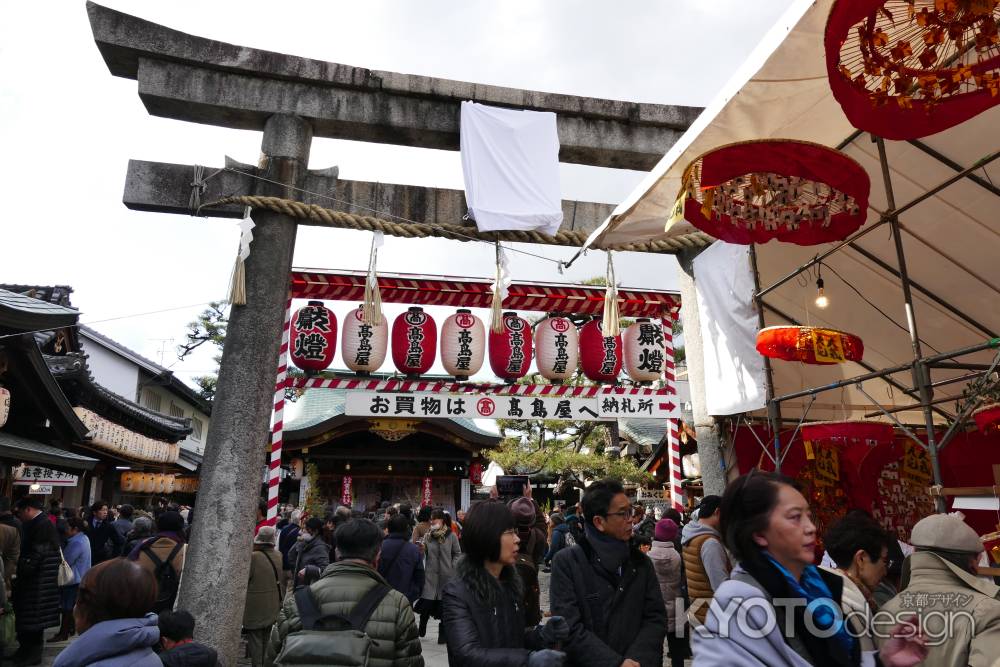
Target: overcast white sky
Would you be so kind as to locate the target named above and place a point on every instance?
(68, 128)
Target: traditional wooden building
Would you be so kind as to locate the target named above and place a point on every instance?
(383, 459)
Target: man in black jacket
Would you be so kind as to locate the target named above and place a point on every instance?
(607, 590)
(105, 542)
(401, 563)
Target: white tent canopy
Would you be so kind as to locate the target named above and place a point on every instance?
(951, 239)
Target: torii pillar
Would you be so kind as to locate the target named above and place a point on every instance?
(231, 470)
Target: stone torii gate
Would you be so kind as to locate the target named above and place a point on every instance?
(291, 99)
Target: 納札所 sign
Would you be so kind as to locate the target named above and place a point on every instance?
(498, 406)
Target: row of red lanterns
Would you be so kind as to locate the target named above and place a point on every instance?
(556, 344)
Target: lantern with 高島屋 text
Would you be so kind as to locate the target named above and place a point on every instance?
(463, 344)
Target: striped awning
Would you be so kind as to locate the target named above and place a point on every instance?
(427, 290)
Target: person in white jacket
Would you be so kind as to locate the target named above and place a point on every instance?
(859, 547)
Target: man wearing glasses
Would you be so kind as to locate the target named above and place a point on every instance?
(606, 588)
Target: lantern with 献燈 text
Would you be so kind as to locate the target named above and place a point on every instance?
(556, 348)
(644, 350)
(511, 348)
(463, 344)
(414, 342)
(600, 355)
(313, 337)
(363, 345)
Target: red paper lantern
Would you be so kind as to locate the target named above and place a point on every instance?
(793, 191)
(866, 432)
(414, 341)
(907, 73)
(600, 355)
(476, 474)
(463, 344)
(363, 346)
(314, 337)
(556, 349)
(987, 418)
(644, 350)
(510, 350)
(810, 345)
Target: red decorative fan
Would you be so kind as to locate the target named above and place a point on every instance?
(903, 69)
(792, 191)
(868, 432)
(987, 418)
(810, 345)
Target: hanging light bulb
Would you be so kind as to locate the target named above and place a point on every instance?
(347, 466)
(430, 468)
(390, 467)
(821, 299)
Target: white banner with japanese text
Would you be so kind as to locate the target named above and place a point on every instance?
(602, 407)
(25, 475)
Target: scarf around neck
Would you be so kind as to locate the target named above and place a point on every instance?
(826, 613)
(611, 552)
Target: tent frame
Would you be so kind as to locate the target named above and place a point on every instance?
(920, 366)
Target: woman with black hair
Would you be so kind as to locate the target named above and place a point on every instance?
(483, 609)
(766, 525)
(441, 552)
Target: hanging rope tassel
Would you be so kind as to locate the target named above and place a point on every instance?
(238, 284)
(501, 281)
(372, 311)
(610, 325)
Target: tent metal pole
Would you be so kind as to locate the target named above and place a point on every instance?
(920, 371)
(888, 216)
(773, 408)
(875, 259)
(948, 162)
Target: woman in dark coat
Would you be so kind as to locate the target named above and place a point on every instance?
(36, 589)
(482, 607)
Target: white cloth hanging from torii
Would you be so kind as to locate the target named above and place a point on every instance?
(510, 161)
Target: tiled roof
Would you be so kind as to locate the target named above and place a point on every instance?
(54, 294)
(24, 313)
(646, 432)
(18, 448)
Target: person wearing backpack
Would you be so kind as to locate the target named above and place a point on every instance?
(264, 593)
(349, 612)
(163, 555)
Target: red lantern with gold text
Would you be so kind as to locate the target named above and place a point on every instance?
(644, 350)
(600, 355)
(755, 191)
(810, 345)
(556, 349)
(510, 350)
(314, 337)
(907, 69)
(414, 341)
(463, 344)
(362, 345)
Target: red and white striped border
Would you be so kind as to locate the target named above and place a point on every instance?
(278, 427)
(669, 370)
(473, 388)
(674, 467)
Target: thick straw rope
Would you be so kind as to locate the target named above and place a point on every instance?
(419, 230)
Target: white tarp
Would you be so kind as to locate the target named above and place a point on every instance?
(510, 161)
(734, 370)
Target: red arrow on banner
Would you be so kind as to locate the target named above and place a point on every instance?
(669, 407)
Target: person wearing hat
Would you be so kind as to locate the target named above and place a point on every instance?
(264, 593)
(706, 563)
(940, 585)
(167, 546)
(531, 552)
(667, 564)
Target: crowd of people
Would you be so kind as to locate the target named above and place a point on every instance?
(734, 583)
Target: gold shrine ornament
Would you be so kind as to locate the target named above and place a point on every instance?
(393, 430)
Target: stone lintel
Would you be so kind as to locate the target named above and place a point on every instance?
(196, 79)
(165, 188)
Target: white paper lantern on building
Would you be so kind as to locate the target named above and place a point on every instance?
(556, 349)
(363, 346)
(644, 350)
(463, 344)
